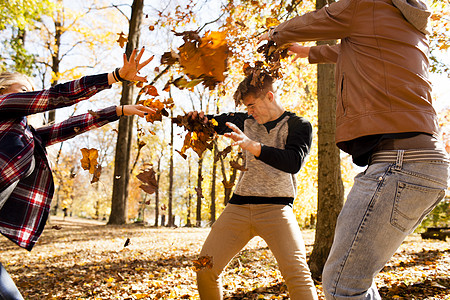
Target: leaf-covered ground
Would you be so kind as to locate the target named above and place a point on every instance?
(86, 260)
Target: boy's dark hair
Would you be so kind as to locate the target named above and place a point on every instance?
(255, 84)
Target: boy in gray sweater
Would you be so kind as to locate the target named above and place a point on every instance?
(275, 144)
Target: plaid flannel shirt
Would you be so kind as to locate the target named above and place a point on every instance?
(25, 212)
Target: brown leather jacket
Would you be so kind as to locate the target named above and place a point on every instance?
(381, 65)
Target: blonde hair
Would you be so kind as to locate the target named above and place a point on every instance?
(9, 78)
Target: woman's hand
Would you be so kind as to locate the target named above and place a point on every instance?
(130, 69)
(241, 140)
(138, 110)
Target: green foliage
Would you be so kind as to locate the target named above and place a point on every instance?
(16, 18)
(21, 14)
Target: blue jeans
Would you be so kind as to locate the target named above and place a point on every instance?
(8, 290)
(387, 202)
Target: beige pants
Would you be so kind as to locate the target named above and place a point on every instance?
(236, 226)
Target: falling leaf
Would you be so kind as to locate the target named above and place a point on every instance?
(199, 192)
(163, 207)
(272, 22)
(148, 178)
(202, 262)
(149, 90)
(169, 58)
(151, 27)
(122, 39)
(89, 160)
(236, 165)
(227, 184)
(127, 242)
(97, 173)
(222, 154)
(183, 83)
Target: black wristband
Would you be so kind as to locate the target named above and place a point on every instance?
(114, 76)
(117, 75)
(122, 112)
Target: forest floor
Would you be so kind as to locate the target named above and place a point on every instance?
(87, 260)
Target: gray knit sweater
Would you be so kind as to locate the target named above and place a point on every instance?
(285, 144)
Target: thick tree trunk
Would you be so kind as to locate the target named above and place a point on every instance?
(124, 138)
(330, 186)
(331, 189)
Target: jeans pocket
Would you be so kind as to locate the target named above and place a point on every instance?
(412, 203)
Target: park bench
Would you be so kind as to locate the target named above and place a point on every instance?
(437, 233)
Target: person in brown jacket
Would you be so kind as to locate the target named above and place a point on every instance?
(384, 119)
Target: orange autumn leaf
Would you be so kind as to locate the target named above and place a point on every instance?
(149, 90)
(122, 40)
(160, 109)
(202, 262)
(206, 59)
(89, 160)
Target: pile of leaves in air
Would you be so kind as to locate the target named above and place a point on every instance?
(200, 135)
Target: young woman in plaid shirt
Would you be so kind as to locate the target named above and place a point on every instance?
(26, 183)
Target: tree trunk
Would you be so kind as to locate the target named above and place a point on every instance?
(213, 187)
(55, 56)
(188, 217)
(158, 179)
(198, 222)
(124, 138)
(330, 186)
(170, 213)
